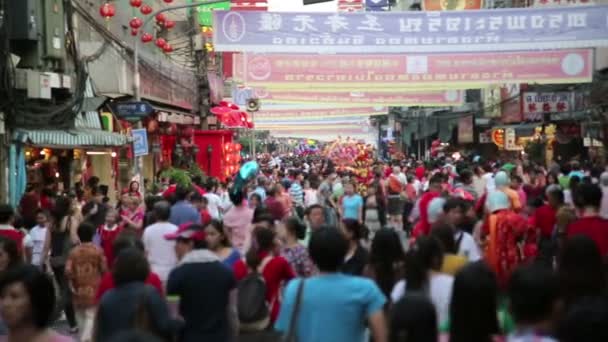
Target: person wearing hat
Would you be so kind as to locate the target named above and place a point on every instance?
(204, 287)
(501, 230)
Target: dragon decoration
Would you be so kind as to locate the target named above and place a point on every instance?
(353, 156)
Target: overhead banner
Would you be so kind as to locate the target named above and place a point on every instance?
(453, 5)
(322, 113)
(416, 31)
(535, 104)
(444, 98)
(435, 71)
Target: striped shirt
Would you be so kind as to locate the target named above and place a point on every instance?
(297, 194)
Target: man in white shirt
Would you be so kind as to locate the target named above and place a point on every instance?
(214, 202)
(160, 251)
(34, 241)
(455, 214)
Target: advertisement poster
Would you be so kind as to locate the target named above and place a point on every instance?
(420, 72)
(465, 129)
(511, 29)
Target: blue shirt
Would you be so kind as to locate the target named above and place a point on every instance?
(261, 192)
(334, 307)
(297, 193)
(351, 205)
(184, 212)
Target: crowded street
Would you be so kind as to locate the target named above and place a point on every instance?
(304, 170)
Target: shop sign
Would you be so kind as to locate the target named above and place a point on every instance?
(485, 137)
(205, 16)
(454, 5)
(321, 113)
(132, 111)
(498, 137)
(510, 139)
(414, 31)
(435, 71)
(562, 3)
(465, 129)
(431, 98)
(249, 5)
(535, 104)
(140, 142)
(349, 6)
(510, 103)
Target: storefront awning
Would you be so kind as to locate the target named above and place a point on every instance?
(71, 138)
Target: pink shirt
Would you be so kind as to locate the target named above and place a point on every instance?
(237, 222)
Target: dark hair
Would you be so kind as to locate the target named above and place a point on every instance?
(445, 234)
(126, 240)
(556, 193)
(311, 208)
(61, 209)
(151, 200)
(130, 266)
(465, 176)
(386, 251)
(162, 211)
(196, 197)
(533, 290)
(39, 288)
(581, 270)
(236, 196)
(219, 227)
(413, 319)
(86, 231)
(474, 320)
(12, 250)
(357, 231)
(181, 192)
(453, 203)
(426, 255)
(6, 213)
(585, 321)
(327, 248)
(436, 179)
(265, 239)
(587, 195)
(295, 227)
(134, 336)
(256, 196)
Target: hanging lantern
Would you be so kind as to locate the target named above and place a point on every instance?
(152, 125)
(146, 37)
(146, 9)
(172, 129)
(160, 18)
(168, 48)
(238, 147)
(160, 42)
(136, 23)
(107, 11)
(168, 1)
(134, 32)
(169, 24)
(135, 3)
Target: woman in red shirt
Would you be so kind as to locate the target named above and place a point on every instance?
(274, 268)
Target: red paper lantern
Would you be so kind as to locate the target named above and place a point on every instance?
(134, 32)
(168, 48)
(238, 147)
(169, 24)
(136, 23)
(160, 18)
(160, 42)
(188, 131)
(135, 3)
(168, 1)
(228, 158)
(146, 37)
(107, 10)
(146, 9)
(152, 126)
(172, 129)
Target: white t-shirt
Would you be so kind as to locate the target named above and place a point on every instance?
(468, 247)
(35, 241)
(490, 185)
(440, 293)
(160, 251)
(214, 203)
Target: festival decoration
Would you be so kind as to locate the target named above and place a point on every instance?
(146, 9)
(230, 115)
(134, 32)
(135, 3)
(160, 42)
(354, 156)
(146, 37)
(160, 18)
(167, 48)
(136, 23)
(169, 24)
(107, 11)
(168, 1)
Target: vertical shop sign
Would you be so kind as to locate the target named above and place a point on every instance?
(491, 102)
(140, 142)
(511, 103)
(465, 129)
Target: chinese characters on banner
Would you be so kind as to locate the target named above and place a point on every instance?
(465, 129)
(439, 98)
(557, 3)
(451, 5)
(321, 113)
(411, 32)
(535, 104)
(420, 72)
(511, 103)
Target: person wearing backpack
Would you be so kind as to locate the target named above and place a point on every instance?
(261, 276)
(205, 288)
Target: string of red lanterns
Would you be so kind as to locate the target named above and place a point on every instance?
(230, 115)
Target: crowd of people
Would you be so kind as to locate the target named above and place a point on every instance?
(441, 250)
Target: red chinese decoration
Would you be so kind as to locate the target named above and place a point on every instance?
(134, 32)
(161, 42)
(135, 3)
(532, 107)
(160, 18)
(561, 106)
(146, 9)
(107, 10)
(169, 24)
(146, 37)
(546, 107)
(168, 1)
(168, 48)
(136, 23)
(152, 126)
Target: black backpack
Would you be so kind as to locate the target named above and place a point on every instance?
(252, 306)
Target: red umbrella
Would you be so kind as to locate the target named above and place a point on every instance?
(171, 190)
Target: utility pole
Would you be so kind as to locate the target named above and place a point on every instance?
(202, 81)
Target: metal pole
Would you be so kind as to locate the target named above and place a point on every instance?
(252, 143)
(136, 76)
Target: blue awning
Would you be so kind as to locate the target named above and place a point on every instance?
(71, 138)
